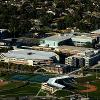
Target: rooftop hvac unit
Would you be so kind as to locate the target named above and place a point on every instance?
(60, 34)
(47, 45)
(89, 53)
(30, 53)
(72, 30)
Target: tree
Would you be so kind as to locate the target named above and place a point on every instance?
(27, 10)
(46, 19)
(13, 26)
(88, 45)
(69, 20)
(24, 27)
(61, 24)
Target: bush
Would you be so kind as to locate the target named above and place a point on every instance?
(88, 45)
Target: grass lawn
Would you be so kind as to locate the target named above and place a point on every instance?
(79, 87)
(10, 85)
(96, 93)
(16, 88)
(62, 93)
(20, 87)
(42, 93)
(25, 89)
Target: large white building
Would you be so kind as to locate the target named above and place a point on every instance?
(82, 40)
(56, 40)
(29, 57)
(68, 39)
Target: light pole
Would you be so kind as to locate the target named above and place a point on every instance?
(96, 74)
(87, 87)
(8, 66)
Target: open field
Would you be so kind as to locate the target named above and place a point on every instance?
(29, 84)
(62, 93)
(90, 85)
(19, 88)
(22, 84)
(26, 84)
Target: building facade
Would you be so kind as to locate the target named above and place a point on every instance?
(86, 59)
(82, 40)
(56, 40)
(29, 57)
(48, 88)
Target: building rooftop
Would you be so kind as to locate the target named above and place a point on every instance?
(96, 31)
(65, 48)
(59, 38)
(29, 54)
(52, 81)
(1, 30)
(83, 37)
(87, 53)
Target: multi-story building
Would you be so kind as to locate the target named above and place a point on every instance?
(54, 69)
(48, 88)
(59, 68)
(87, 58)
(29, 57)
(82, 40)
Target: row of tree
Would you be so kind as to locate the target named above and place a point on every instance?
(17, 67)
(19, 17)
(5, 49)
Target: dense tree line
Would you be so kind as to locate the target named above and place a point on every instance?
(17, 67)
(18, 15)
(4, 49)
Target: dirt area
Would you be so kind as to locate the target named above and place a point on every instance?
(90, 88)
(2, 83)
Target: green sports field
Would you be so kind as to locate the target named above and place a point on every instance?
(21, 84)
(29, 84)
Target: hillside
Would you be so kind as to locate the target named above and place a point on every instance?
(22, 17)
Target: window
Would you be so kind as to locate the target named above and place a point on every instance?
(54, 43)
(42, 41)
(2, 60)
(21, 59)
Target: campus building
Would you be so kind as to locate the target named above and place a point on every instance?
(87, 58)
(96, 33)
(71, 50)
(82, 40)
(48, 88)
(54, 69)
(56, 40)
(72, 39)
(59, 68)
(29, 57)
(61, 82)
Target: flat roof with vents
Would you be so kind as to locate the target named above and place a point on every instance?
(59, 38)
(96, 31)
(29, 54)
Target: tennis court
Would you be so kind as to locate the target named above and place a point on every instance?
(39, 78)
